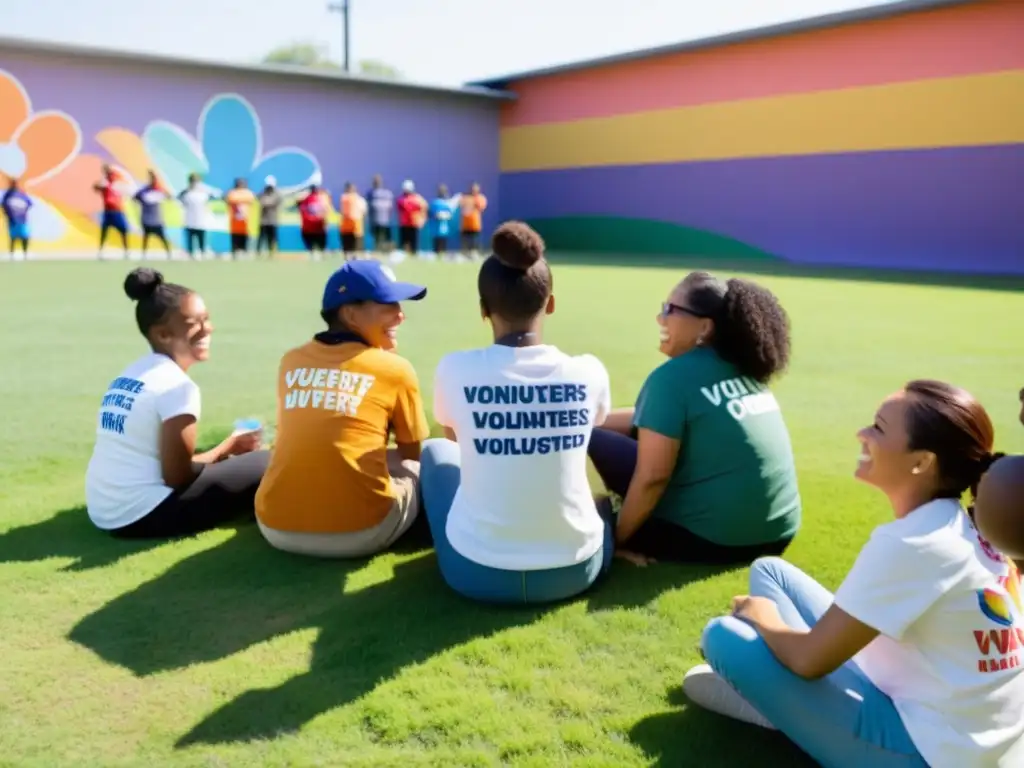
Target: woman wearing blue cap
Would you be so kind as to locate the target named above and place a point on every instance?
(507, 496)
(333, 487)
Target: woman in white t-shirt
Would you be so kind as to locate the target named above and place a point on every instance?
(918, 659)
(145, 479)
(509, 504)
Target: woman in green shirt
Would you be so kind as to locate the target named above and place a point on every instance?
(704, 462)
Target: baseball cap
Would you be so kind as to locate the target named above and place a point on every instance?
(367, 280)
(270, 181)
(408, 186)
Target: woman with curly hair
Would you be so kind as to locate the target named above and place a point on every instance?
(704, 464)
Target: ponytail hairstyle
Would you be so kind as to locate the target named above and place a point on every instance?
(948, 422)
(154, 299)
(751, 327)
(515, 281)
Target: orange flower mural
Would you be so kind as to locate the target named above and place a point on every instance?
(40, 148)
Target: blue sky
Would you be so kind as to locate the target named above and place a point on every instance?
(436, 41)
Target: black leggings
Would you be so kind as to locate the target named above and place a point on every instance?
(221, 493)
(267, 237)
(157, 232)
(614, 457)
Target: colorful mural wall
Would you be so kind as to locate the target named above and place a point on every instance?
(891, 143)
(61, 119)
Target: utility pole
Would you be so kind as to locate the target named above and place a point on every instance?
(342, 8)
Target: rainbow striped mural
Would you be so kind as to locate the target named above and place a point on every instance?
(897, 142)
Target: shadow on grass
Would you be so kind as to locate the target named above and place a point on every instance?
(677, 738)
(69, 533)
(224, 600)
(779, 268)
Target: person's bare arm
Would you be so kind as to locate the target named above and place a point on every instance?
(656, 459)
(620, 420)
(834, 640)
(178, 445)
(409, 451)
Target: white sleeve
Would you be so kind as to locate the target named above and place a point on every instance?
(442, 410)
(894, 582)
(602, 391)
(181, 399)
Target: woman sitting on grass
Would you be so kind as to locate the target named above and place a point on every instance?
(509, 504)
(145, 479)
(917, 659)
(334, 488)
(704, 463)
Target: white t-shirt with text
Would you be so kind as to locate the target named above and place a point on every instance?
(523, 417)
(951, 648)
(124, 481)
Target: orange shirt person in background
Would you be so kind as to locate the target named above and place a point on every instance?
(353, 213)
(473, 205)
(333, 487)
(239, 199)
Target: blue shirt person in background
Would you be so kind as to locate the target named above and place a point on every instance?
(16, 205)
(442, 209)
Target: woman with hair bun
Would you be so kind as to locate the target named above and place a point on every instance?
(704, 464)
(918, 659)
(145, 479)
(506, 494)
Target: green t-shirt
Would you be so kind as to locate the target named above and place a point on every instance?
(734, 482)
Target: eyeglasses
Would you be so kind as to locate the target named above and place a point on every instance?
(668, 308)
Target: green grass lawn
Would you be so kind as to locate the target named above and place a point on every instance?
(219, 651)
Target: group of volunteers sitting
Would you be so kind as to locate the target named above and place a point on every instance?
(915, 661)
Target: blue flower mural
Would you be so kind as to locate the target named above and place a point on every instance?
(228, 144)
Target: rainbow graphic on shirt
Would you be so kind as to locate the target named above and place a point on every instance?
(996, 607)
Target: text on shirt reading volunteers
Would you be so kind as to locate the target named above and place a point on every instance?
(327, 388)
(515, 420)
(743, 397)
(120, 396)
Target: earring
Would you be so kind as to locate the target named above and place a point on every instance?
(915, 471)
(700, 341)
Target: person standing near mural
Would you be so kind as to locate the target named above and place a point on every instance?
(194, 199)
(16, 204)
(473, 206)
(113, 208)
(442, 208)
(381, 201)
(412, 215)
(270, 205)
(313, 210)
(353, 212)
(239, 200)
(151, 199)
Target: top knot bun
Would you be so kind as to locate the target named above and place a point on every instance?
(141, 283)
(517, 245)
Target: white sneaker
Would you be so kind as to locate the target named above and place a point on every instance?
(705, 688)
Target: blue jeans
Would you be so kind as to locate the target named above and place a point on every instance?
(841, 720)
(440, 474)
